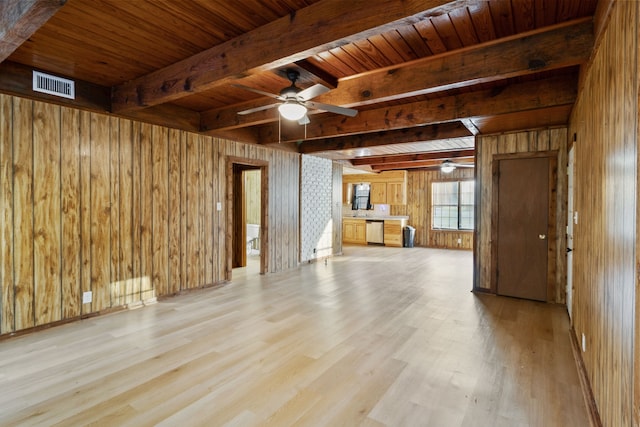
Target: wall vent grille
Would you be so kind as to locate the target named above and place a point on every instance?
(53, 85)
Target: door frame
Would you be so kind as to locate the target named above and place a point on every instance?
(552, 232)
(263, 165)
(570, 227)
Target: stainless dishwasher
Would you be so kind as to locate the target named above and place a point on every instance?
(375, 232)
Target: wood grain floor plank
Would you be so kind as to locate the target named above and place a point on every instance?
(377, 337)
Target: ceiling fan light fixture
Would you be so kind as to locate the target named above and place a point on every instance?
(292, 110)
(447, 167)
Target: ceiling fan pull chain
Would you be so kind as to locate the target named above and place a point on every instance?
(279, 130)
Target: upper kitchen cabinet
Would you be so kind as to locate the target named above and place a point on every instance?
(397, 193)
(378, 193)
(347, 191)
(388, 187)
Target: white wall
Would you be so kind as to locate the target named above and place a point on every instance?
(316, 224)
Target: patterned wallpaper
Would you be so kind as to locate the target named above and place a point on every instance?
(315, 213)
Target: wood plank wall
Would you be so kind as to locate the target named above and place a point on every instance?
(252, 193)
(123, 209)
(605, 122)
(518, 142)
(418, 208)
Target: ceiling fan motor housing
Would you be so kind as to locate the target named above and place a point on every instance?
(291, 91)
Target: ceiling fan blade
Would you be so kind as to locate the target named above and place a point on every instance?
(332, 108)
(462, 165)
(313, 91)
(258, 91)
(256, 109)
(304, 120)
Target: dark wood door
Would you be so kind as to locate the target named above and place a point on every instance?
(523, 228)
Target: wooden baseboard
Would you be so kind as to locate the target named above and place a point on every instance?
(585, 384)
(483, 291)
(84, 316)
(61, 322)
(186, 291)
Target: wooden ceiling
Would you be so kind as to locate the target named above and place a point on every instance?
(425, 76)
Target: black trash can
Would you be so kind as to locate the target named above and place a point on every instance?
(408, 234)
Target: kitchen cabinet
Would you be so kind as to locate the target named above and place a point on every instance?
(396, 193)
(389, 187)
(378, 193)
(393, 232)
(347, 192)
(354, 231)
(390, 193)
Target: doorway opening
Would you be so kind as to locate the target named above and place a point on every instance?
(247, 198)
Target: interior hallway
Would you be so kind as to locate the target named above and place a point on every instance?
(378, 337)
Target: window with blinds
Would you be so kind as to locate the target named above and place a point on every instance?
(452, 205)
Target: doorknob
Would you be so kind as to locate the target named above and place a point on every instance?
(542, 236)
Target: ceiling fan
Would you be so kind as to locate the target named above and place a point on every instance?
(448, 166)
(294, 102)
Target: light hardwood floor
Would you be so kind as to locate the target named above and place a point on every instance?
(378, 337)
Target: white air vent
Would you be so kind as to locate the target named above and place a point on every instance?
(53, 85)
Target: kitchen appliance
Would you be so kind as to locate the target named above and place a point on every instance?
(375, 232)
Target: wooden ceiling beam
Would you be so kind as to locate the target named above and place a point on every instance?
(248, 135)
(416, 134)
(317, 28)
(516, 97)
(409, 165)
(19, 19)
(322, 76)
(407, 158)
(545, 49)
(171, 116)
(471, 126)
(550, 48)
(545, 117)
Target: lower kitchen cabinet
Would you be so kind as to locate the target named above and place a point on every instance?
(393, 232)
(354, 231)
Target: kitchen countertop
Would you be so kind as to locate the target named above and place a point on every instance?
(377, 217)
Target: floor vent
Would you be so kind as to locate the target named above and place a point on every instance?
(53, 85)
